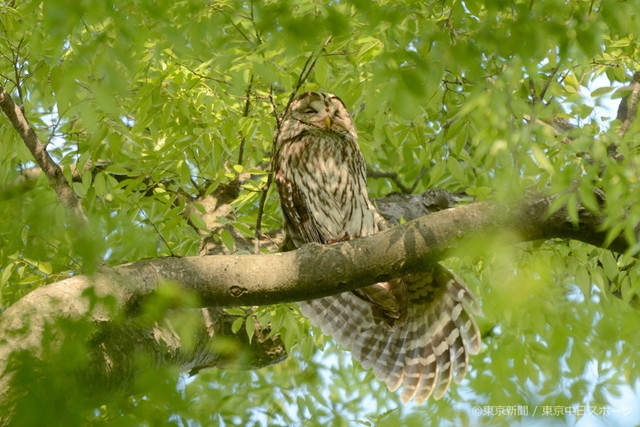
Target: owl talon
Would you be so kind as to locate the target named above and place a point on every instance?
(344, 238)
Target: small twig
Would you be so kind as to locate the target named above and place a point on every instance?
(157, 231)
(244, 36)
(446, 125)
(54, 128)
(247, 103)
(245, 113)
(340, 53)
(391, 176)
(251, 18)
(202, 76)
(606, 64)
(418, 179)
(274, 109)
(543, 92)
(7, 78)
(253, 21)
(263, 200)
(563, 76)
(453, 82)
(17, 70)
(532, 88)
(265, 189)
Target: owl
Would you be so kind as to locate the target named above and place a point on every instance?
(416, 331)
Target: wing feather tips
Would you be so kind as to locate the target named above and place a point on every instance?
(396, 347)
(463, 312)
(338, 316)
(445, 364)
(451, 334)
(422, 356)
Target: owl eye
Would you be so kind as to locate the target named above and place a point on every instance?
(310, 111)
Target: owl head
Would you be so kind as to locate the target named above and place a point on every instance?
(317, 111)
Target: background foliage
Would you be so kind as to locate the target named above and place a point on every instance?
(173, 98)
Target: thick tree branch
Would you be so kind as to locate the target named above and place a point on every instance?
(627, 109)
(53, 172)
(627, 112)
(213, 344)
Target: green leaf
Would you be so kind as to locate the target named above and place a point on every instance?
(79, 189)
(541, 159)
(237, 324)
(30, 279)
(250, 327)
(45, 267)
(6, 273)
(456, 170)
(609, 265)
(601, 91)
(571, 84)
(197, 221)
(228, 240)
(100, 185)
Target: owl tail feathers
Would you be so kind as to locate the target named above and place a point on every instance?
(422, 355)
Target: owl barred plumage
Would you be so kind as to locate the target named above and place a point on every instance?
(416, 331)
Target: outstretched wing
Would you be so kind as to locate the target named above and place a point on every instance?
(424, 354)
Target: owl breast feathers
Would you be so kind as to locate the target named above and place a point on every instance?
(416, 331)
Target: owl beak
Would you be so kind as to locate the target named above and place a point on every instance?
(327, 122)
